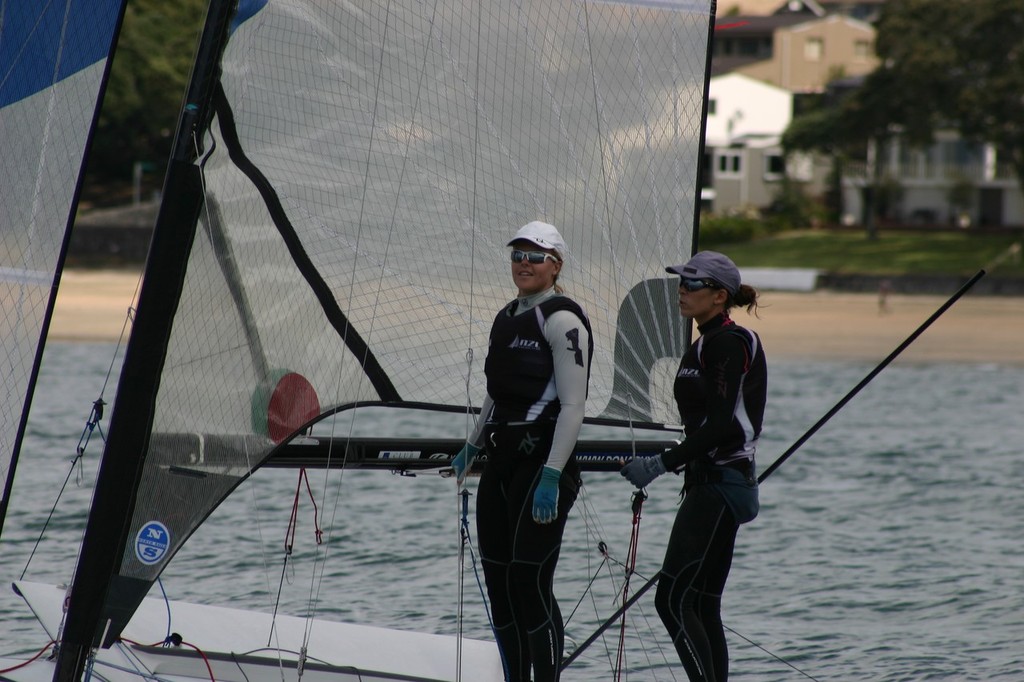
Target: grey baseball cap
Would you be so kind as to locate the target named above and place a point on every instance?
(710, 265)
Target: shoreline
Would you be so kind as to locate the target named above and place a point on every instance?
(93, 305)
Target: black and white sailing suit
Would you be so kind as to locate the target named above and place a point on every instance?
(720, 390)
(537, 369)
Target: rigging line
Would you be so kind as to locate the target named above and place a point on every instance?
(634, 540)
(479, 583)
(775, 656)
(476, 168)
(871, 375)
(219, 242)
(463, 538)
(289, 538)
(609, 622)
(597, 118)
(91, 424)
(465, 543)
(316, 583)
(49, 517)
(590, 584)
(588, 514)
(464, 525)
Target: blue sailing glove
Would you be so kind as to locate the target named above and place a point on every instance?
(462, 461)
(642, 470)
(545, 497)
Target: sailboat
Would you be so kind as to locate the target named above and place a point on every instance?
(343, 180)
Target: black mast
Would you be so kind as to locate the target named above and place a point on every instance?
(101, 602)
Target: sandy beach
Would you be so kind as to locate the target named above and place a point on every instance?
(93, 306)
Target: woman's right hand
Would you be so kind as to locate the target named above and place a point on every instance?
(640, 471)
(463, 460)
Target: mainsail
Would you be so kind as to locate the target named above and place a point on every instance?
(53, 64)
(356, 169)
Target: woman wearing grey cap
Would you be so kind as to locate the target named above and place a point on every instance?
(537, 369)
(720, 390)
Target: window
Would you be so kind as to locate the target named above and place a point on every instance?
(749, 48)
(774, 166)
(862, 50)
(814, 49)
(730, 163)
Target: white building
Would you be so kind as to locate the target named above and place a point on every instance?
(744, 165)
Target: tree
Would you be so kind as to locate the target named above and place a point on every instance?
(945, 64)
(845, 126)
(147, 82)
(955, 65)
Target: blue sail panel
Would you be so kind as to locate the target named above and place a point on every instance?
(43, 43)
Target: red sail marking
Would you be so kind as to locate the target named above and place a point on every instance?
(293, 403)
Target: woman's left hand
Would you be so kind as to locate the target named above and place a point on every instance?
(545, 497)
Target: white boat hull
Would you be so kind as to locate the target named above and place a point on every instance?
(234, 644)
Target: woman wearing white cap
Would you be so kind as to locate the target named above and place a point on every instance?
(537, 369)
(720, 390)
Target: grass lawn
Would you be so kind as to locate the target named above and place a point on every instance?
(844, 251)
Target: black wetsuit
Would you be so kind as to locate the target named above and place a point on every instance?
(720, 390)
(518, 554)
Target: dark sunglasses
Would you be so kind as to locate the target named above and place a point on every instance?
(697, 284)
(533, 257)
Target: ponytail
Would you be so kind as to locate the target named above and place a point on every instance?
(746, 297)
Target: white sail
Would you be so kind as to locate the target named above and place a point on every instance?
(53, 59)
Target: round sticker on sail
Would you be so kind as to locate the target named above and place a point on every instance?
(152, 542)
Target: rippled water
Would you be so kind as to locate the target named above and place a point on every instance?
(889, 547)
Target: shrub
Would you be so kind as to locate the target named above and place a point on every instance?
(729, 228)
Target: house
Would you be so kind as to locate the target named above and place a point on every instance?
(794, 52)
(951, 183)
(761, 65)
(808, 47)
(743, 162)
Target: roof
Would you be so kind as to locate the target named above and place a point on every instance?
(747, 7)
(750, 25)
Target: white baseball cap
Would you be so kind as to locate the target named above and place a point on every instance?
(543, 235)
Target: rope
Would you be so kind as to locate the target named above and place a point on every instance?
(91, 423)
(289, 535)
(459, 609)
(467, 544)
(639, 496)
(603, 549)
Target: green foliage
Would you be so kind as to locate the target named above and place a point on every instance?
(888, 194)
(148, 77)
(791, 209)
(731, 228)
(951, 64)
(960, 252)
(961, 194)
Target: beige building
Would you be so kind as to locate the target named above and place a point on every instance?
(794, 51)
(810, 54)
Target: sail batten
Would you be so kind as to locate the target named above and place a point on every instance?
(363, 168)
